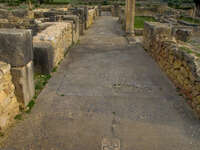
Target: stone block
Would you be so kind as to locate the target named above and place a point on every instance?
(20, 13)
(75, 26)
(155, 32)
(9, 106)
(183, 34)
(16, 46)
(59, 36)
(43, 57)
(7, 116)
(22, 78)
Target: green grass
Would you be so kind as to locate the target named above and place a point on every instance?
(40, 82)
(189, 51)
(139, 21)
(190, 20)
(18, 117)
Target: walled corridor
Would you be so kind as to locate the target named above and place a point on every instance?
(107, 95)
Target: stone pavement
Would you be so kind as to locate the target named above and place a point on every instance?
(107, 95)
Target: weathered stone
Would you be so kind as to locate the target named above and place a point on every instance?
(16, 46)
(9, 106)
(154, 33)
(24, 83)
(20, 13)
(75, 26)
(182, 67)
(59, 36)
(43, 56)
(183, 34)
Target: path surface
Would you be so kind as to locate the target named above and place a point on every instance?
(107, 91)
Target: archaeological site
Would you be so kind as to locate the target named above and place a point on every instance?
(99, 75)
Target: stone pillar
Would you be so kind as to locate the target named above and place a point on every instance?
(16, 50)
(86, 15)
(130, 16)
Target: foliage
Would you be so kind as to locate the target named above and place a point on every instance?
(190, 20)
(139, 21)
(178, 3)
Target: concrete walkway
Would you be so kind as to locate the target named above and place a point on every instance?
(107, 95)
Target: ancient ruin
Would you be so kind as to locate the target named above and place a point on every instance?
(101, 74)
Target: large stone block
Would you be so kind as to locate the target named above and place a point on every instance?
(24, 83)
(59, 36)
(43, 56)
(16, 46)
(155, 32)
(75, 26)
(9, 106)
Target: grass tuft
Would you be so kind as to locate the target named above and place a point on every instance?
(139, 21)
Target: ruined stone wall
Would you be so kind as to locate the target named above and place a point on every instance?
(52, 44)
(181, 66)
(18, 18)
(9, 106)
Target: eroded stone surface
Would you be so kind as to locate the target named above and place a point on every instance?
(23, 79)
(16, 46)
(9, 106)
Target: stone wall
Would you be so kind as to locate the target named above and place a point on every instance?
(181, 65)
(17, 18)
(23, 53)
(51, 44)
(9, 106)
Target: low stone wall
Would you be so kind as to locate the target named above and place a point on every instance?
(17, 18)
(9, 106)
(22, 54)
(181, 66)
(51, 44)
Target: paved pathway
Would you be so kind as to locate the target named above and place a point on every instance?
(107, 95)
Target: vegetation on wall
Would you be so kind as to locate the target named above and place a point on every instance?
(139, 21)
(185, 4)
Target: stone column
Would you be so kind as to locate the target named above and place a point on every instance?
(130, 16)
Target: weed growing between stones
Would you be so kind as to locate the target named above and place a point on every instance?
(189, 51)
(18, 117)
(55, 68)
(139, 21)
(40, 82)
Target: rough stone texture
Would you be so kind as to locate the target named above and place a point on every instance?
(155, 31)
(107, 89)
(17, 18)
(23, 79)
(43, 56)
(130, 16)
(75, 26)
(9, 106)
(182, 67)
(115, 10)
(183, 34)
(139, 32)
(16, 46)
(59, 36)
(90, 17)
